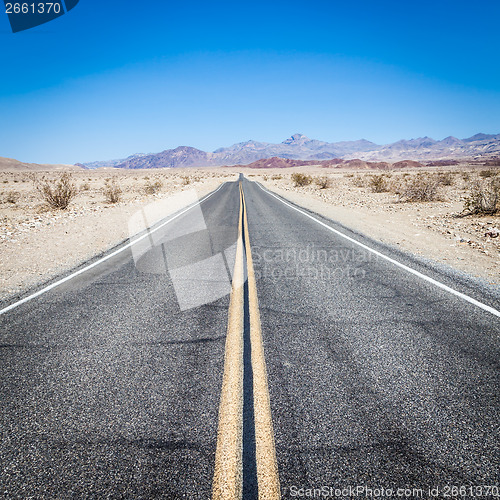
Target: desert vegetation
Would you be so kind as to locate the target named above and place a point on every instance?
(56, 193)
(112, 191)
(419, 188)
(301, 180)
(323, 182)
(483, 197)
(155, 187)
(379, 183)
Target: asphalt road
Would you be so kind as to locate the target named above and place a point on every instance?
(111, 382)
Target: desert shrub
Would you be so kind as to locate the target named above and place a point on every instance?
(112, 191)
(419, 188)
(483, 198)
(446, 179)
(379, 184)
(12, 197)
(348, 175)
(485, 174)
(6, 181)
(359, 181)
(85, 186)
(152, 187)
(57, 193)
(186, 180)
(323, 182)
(276, 177)
(300, 180)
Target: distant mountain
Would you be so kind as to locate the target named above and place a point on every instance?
(109, 163)
(300, 147)
(183, 156)
(426, 149)
(11, 165)
(297, 147)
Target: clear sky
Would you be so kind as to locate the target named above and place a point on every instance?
(115, 77)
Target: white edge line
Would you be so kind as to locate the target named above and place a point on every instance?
(103, 259)
(485, 307)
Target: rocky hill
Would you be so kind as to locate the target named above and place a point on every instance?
(300, 147)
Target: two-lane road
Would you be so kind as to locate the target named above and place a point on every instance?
(111, 383)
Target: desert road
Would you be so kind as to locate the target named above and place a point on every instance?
(246, 348)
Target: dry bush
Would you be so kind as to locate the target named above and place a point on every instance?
(112, 191)
(276, 177)
(483, 198)
(186, 180)
(85, 186)
(57, 193)
(12, 197)
(300, 180)
(446, 179)
(419, 188)
(359, 181)
(152, 188)
(379, 184)
(323, 182)
(485, 174)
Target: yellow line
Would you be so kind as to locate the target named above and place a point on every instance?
(267, 467)
(228, 474)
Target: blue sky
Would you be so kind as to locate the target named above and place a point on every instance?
(112, 78)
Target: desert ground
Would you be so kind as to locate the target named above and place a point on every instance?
(38, 242)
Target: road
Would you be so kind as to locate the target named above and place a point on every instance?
(127, 380)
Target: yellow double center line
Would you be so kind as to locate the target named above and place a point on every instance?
(229, 473)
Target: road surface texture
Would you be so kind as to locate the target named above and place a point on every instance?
(113, 382)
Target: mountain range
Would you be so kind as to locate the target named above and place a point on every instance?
(300, 147)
